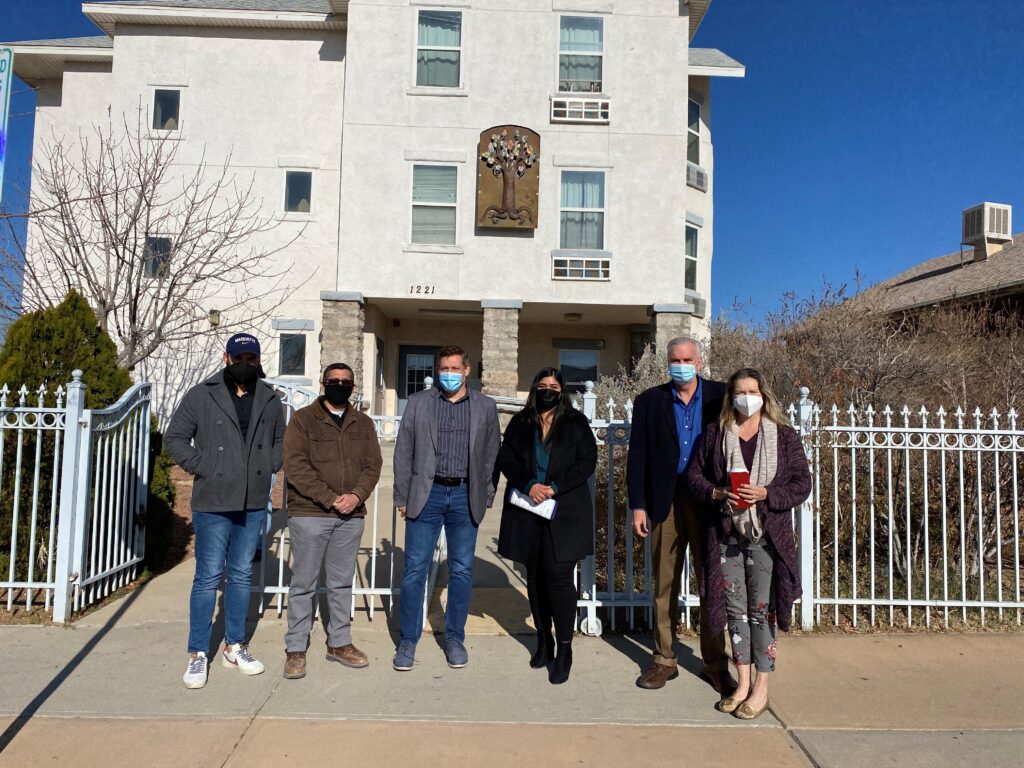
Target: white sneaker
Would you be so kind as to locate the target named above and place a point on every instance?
(197, 671)
(237, 656)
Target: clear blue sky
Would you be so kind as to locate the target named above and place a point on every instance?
(861, 131)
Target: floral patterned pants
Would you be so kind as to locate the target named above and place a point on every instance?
(747, 578)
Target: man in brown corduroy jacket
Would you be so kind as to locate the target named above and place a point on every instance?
(332, 461)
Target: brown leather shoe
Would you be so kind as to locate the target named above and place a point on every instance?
(720, 680)
(656, 675)
(294, 665)
(348, 655)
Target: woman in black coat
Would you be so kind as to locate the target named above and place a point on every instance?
(549, 452)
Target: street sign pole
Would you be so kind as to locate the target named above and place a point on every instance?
(6, 75)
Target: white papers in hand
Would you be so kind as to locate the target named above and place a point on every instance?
(545, 509)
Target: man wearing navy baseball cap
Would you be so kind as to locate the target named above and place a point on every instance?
(228, 433)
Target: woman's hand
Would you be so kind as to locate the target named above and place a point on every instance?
(752, 494)
(539, 493)
(724, 494)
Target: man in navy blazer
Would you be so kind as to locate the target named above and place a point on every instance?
(667, 420)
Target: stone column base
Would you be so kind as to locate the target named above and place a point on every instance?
(341, 338)
(501, 347)
(667, 322)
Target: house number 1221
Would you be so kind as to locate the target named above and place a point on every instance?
(422, 289)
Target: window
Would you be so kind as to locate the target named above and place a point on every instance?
(691, 259)
(439, 49)
(293, 354)
(582, 210)
(298, 191)
(693, 135)
(156, 258)
(578, 366)
(580, 54)
(434, 198)
(569, 268)
(166, 109)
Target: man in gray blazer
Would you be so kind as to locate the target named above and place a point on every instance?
(444, 463)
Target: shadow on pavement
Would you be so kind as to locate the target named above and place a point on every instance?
(26, 714)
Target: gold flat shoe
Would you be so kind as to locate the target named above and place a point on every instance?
(745, 712)
(728, 705)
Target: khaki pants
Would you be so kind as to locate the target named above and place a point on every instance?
(669, 540)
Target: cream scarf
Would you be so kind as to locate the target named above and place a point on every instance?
(747, 522)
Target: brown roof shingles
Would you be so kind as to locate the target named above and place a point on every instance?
(944, 279)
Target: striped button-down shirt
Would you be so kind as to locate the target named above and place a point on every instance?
(453, 437)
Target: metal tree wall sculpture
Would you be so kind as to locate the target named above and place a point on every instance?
(509, 157)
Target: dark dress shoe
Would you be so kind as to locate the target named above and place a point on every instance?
(563, 663)
(720, 680)
(544, 653)
(656, 675)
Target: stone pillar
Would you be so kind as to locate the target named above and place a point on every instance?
(501, 346)
(667, 322)
(341, 337)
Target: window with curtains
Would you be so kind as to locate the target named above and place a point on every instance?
(580, 54)
(439, 49)
(690, 265)
(434, 201)
(582, 210)
(693, 135)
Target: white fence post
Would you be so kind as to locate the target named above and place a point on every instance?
(66, 572)
(806, 516)
(589, 401)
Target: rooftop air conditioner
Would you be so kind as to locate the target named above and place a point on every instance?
(987, 221)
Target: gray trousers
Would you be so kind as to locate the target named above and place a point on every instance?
(331, 542)
(747, 573)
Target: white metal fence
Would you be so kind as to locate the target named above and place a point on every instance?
(73, 489)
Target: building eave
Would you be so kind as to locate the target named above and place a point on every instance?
(36, 63)
(702, 71)
(697, 9)
(108, 15)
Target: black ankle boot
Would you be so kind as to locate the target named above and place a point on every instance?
(544, 653)
(563, 663)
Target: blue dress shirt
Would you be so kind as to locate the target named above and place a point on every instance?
(689, 424)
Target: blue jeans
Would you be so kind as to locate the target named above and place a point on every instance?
(225, 541)
(448, 506)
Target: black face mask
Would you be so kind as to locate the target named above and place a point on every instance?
(243, 373)
(546, 399)
(337, 394)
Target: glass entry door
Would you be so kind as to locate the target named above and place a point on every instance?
(415, 364)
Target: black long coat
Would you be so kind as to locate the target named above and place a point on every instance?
(573, 460)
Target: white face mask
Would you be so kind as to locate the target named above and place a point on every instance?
(748, 405)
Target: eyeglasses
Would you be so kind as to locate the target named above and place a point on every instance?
(339, 381)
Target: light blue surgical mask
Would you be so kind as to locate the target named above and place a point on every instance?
(450, 382)
(682, 373)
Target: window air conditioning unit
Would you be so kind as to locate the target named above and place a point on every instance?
(696, 177)
(988, 227)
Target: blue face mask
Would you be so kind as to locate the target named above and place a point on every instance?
(682, 373)
(450, 382)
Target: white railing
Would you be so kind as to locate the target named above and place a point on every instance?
(74, 484)
(916, 515)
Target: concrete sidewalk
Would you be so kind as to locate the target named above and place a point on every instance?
(107, 691)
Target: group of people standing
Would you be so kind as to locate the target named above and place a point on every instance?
(713, 468)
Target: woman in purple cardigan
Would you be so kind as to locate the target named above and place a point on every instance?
(752, 576)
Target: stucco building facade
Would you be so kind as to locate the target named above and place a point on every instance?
(361, 125)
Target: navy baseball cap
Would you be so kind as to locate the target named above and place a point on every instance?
(242, 343)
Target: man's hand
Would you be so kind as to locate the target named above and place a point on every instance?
(401, 511)
(346, 503)
(641, 525)
(540, 493)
